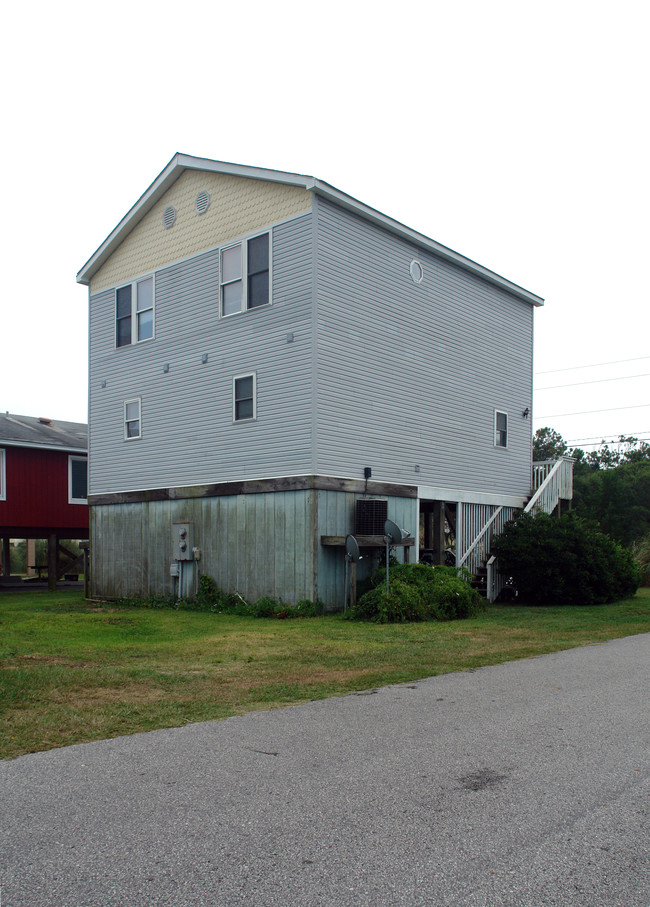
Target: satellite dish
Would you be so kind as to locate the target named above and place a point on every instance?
(393, 533)
(352, 549)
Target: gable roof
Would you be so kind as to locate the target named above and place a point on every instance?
(49, 434)
(182, 162)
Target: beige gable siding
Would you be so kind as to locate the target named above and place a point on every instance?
(237, 206)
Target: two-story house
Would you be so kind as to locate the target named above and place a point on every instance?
(267, 351)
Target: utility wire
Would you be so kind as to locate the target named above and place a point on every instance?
(572, 368)
(586, 412)
(595, 381)
(596, 438)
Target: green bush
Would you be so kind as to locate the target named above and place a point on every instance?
(641, 554)
(404, 602)
(418, 592)
(565, 560)
(211, 598)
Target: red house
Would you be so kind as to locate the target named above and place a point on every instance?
(43, 484)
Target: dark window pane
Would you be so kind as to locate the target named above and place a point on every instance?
(258, 254)
(244, 388)
(123, 331)
(258, 289)
(79, 475)
(123, 301)
(502, 421)
(244, 410)
(132, 429)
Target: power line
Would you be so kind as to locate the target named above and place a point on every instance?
(630, 434)
(595, 381)
(586, 412)
(572, 368)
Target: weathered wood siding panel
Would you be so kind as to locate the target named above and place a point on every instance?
(188, 436)
(410, 374)
(336, 513)
(255, 544)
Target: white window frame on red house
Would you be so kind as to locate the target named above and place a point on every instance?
(3, 474)
(71, 497)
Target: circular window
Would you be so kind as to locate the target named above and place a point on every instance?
(169, 217)
(417, 271)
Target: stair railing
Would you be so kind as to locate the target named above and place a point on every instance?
(553, 480)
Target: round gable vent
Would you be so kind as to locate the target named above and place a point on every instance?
(417, 271)
(202, 202)
(169, 217)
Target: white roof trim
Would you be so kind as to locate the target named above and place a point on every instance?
(181, 162)
(34, 444)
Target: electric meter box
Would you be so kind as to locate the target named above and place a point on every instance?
(182, 542)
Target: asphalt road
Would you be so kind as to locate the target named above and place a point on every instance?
(520, 784)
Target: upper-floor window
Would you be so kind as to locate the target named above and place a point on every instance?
(77, 480)
(500, 429)
(244, 403)
(3, 475)
(134, 305)
(132, 420)
(245, 275)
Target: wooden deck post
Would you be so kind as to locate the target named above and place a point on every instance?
(6, 555)
(438, 533)
(52, 551)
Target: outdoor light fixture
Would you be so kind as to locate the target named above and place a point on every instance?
(526, 413)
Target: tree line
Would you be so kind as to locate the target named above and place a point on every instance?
(611, 484)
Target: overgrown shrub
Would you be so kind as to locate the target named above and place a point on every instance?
(404, 602)
(418, 592)
(641, 554)
(210, 598)
(565, 560)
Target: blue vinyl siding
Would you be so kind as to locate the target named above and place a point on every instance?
(188, 436)
(409, 374)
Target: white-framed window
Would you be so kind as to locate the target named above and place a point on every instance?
(500, 429)
(3, 474)
(245, 275)
(77, 480)
(134, 311)
(244, 397)
(132, 419)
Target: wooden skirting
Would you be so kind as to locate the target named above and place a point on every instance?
(256, 486)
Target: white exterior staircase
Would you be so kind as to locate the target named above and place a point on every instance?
(552, 484)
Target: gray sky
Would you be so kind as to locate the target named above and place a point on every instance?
(514, 133)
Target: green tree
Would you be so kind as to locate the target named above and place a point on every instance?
(548, 444)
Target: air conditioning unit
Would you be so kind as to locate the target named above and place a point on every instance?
(370, 516)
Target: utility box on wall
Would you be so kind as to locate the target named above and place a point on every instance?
(182, 542)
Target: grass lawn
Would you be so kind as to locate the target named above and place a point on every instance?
(72, 671)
